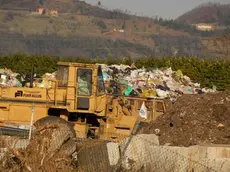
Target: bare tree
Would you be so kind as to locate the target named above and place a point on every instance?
(221, 45)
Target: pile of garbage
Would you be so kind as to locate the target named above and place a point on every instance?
(9, 78)
(130, 81)
(46, 80)
(194, 120)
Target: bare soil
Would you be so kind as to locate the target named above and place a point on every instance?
(194, 120)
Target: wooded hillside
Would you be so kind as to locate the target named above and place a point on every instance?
(80, 29)
(208, 13)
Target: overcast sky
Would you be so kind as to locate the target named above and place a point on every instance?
(164, 8)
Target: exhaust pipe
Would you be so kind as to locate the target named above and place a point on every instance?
(32, 76)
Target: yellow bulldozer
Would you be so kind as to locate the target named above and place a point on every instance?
(78, 97)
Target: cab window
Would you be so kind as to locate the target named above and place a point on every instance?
(84, 82)
(100, 82)
(62, 76)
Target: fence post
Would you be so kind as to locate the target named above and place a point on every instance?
(31, 120)
(126, 145)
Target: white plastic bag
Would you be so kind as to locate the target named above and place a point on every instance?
(143, 111)
(162, 93)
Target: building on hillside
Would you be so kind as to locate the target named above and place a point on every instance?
(41, 11)
(118, 30)
(204, 26)
(52, 12)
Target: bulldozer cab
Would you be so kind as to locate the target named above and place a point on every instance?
(85, 89)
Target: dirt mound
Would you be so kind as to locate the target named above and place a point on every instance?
(193, 120)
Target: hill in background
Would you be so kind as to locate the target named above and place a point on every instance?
(80, 29)
(208, 13)
(63, 6)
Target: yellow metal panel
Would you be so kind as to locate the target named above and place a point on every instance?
(24, 93)
(4, 111)
(60, 94)
(4, 115)
(21, 113)
(81, 130)
(40, 112)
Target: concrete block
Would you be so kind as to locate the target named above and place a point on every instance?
(144, 153)
(218, 152)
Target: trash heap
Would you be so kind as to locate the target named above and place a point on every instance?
(130, 81)
(46, 80)
(9, 78)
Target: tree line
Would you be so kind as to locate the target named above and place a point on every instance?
(208, 72)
